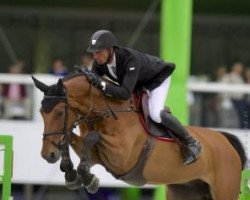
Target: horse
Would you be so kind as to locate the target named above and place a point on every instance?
(120, 139)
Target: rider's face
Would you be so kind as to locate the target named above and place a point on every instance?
(101, 56)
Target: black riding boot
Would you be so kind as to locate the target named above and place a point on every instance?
(191, 145)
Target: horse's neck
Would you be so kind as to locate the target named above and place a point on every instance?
(122, 140)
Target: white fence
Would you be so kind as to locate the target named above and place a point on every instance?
(30, 168)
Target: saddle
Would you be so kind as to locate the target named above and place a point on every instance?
(155, 129)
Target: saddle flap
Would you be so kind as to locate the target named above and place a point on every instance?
(153, 128)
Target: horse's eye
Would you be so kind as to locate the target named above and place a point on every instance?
(60, 113)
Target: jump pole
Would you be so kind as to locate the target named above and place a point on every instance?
(5, 177)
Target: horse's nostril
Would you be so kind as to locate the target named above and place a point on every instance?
(52, 155)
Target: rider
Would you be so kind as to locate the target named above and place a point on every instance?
(133, 71)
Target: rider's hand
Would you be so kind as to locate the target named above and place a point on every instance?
(94, 79)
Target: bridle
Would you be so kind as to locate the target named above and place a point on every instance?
(98, 115)
(64, 131)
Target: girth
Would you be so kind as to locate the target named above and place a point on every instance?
(135, 175)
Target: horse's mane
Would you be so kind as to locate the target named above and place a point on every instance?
(78, 73)
(53, 89)
(72, 75)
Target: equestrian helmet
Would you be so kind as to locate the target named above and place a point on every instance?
(100, 40)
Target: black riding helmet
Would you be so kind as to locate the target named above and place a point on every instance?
(100, 40)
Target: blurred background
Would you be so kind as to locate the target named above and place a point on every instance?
(49, 37)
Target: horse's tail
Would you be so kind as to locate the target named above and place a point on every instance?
(236, 143)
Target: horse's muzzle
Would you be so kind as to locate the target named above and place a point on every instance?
(51, 156)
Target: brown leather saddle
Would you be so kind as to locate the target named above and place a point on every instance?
(155, 129)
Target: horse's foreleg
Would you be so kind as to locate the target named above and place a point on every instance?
(71, 179)
(77, 143)
(90, 181)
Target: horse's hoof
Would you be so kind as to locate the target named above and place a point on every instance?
(70, 176)
(93, 186)
(74, 184)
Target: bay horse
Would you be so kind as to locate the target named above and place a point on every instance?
(120, 140)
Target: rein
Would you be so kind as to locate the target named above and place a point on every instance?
(109, 112)
(99, 115)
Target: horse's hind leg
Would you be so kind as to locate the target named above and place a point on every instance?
(226, 185)
(195, 190)
(225, 191)
(180, 196)
(172, 194)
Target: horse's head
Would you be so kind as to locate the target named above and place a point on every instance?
(57, 118)
(67, 103)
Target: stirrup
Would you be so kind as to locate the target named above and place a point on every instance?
(193, 152)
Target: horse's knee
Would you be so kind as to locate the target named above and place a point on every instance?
(92, 138)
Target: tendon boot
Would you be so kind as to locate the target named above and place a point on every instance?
(192, 147)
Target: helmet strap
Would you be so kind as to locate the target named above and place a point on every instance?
(111, 53)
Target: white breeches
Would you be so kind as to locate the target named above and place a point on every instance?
(157, 99)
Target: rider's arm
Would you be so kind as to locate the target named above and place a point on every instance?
(124, 90)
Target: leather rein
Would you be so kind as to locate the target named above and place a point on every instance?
(99, 115)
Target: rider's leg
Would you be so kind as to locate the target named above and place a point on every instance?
(157, 99)
(193, 145)
(156, 111)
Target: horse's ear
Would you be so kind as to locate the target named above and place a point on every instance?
(60, 85)
(41, 86)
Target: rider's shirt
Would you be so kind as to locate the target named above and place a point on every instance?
(112, 67)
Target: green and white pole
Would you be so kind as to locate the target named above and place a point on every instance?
(175, 46)
(5, 178)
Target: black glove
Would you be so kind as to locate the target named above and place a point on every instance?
(93, 78)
